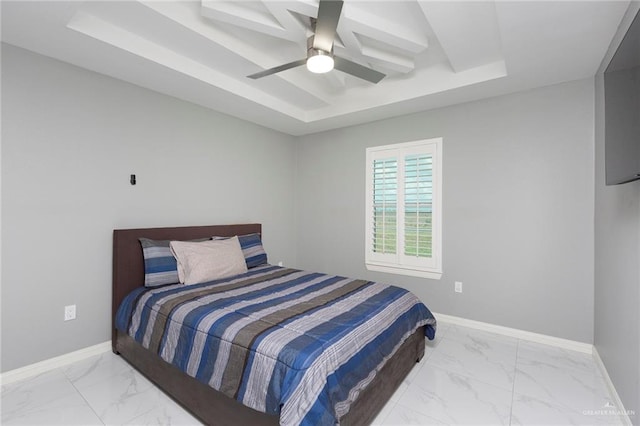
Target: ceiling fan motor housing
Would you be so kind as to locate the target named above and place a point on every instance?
(311, 51)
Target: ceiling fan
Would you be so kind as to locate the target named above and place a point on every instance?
(320, 57)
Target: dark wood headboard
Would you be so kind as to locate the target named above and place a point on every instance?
(128, 263)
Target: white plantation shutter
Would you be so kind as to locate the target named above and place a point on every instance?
(418, 202)
(403, 208)
(385, 205)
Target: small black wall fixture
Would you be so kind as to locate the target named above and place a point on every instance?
(133, 179)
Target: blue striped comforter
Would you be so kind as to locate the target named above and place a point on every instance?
(279, 340)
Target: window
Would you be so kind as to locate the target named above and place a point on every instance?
(404, 205)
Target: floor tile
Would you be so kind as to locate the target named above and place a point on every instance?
(167, 413)
(532, 411)
(96, 369)
(555, 357)
(575, 388)
(22, 398)
(451, 398)
(123, 397)
(458, 332)
(68, 410)
(479, 355)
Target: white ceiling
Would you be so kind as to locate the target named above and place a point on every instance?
(434, 53)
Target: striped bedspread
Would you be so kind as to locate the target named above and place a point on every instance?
(278, 340)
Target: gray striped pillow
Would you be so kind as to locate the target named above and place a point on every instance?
(160, 267)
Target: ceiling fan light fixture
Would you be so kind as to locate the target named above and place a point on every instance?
(319, 61)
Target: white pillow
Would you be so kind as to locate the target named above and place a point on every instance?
(208, 260)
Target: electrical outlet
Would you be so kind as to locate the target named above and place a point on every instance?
(458, 286)
(280, 263)
(70, 312)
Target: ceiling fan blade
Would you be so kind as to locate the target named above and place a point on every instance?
(357, 70)
(278, 69)
(326, 24)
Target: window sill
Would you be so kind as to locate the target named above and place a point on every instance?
(421, 273)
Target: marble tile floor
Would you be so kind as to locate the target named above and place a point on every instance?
(467, 377)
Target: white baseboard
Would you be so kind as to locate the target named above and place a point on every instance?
(53, 363)
(619, 410)
(520, 334)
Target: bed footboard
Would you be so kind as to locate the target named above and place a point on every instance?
(207, 404)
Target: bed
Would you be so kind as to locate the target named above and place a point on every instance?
(218, 407)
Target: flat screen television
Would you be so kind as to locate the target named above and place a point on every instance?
(622, 109)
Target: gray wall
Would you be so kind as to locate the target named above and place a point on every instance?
(70, 140)
(617, 271)
(518, 207)
(518, 198)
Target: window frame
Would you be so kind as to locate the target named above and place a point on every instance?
(399, 263)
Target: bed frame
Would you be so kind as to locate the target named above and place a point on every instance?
(204, 402)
